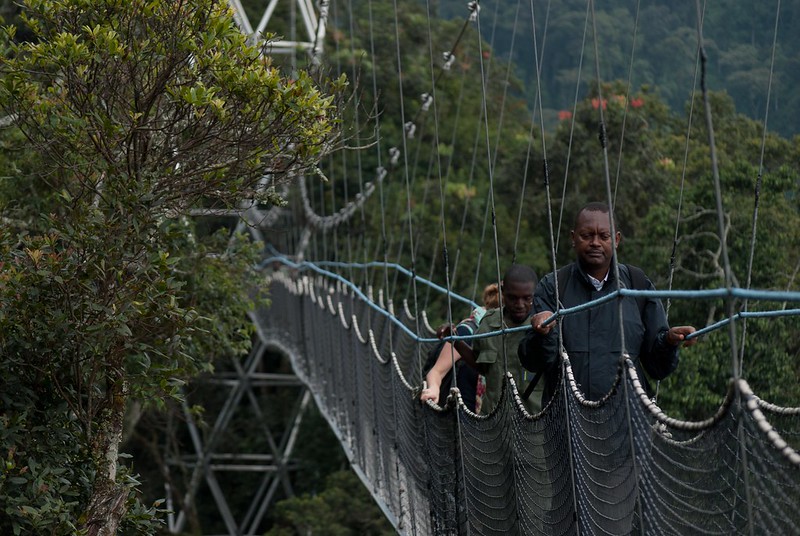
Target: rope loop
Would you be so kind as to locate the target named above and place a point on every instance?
(474, 9)
(449, 58)
(409, 128)
(427, 100)
(394, 155)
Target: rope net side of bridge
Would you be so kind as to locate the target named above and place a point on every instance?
(617, 466)
(510, 472)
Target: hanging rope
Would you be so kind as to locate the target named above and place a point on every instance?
(757, 192)
(572, 127)
(673, 254)
(627, 103)
(539, 58)
(614, 254)
(491, 182)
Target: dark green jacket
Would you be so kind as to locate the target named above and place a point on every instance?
(489, 357)
(592, 337)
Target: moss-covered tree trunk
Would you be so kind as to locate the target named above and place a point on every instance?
(108, 503)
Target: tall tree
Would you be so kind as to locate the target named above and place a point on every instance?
(135, 111)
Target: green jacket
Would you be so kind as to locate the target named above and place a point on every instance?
(489, 357)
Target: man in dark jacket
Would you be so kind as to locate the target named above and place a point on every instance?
(592, 337)
(594, 346)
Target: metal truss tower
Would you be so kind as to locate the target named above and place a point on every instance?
(224, 457)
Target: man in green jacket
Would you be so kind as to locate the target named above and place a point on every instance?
(492, 356)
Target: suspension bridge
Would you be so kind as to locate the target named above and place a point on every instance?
(357, 330)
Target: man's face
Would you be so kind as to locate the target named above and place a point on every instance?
(517, 301)
(592, 241)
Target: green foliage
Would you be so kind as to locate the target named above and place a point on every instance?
(126, 115)
(45, 473)
(738, 40)
(139, 92)
(343, 508)
(448, 155)
(652, 169)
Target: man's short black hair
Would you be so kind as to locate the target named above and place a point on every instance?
(594, 206)
(519, 273)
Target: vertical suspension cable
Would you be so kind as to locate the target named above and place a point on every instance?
(408, 199)
(673, 254)
(357, 134)
(449, 168)
(502, 112)
(332, 173)
(491, 188)
(383, 243)
(406, 172)
(726, 264)
(314, 236)
(546, 173)
(757, 192)
(615, 258)
(627, 101)
(481, 125)
(572, 128)
(603, 137)
(348, 225)
(533, 121)
(459, 237)
(323, 212)
(718, 198)
(476, 278)
(678, 212)
(445, 259)
(399, 208)
(432, 157)
(335, 228)
(453, 138)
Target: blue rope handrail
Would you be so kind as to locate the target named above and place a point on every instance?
(761, 295)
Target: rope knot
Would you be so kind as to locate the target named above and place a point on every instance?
(427, 100)
(380, 173)
(449, 58)
(546, 169)
(474, 8)
(601, 135)
(410, 128)
(394, 155)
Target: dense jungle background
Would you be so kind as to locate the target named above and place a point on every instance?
(647, 103)
(649, 98)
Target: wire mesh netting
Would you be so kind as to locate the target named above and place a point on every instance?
(615, 466)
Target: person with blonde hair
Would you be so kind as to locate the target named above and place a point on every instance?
(491, 296)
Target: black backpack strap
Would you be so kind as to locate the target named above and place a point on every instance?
(531, 386)
(564, 274)
(638, 282)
